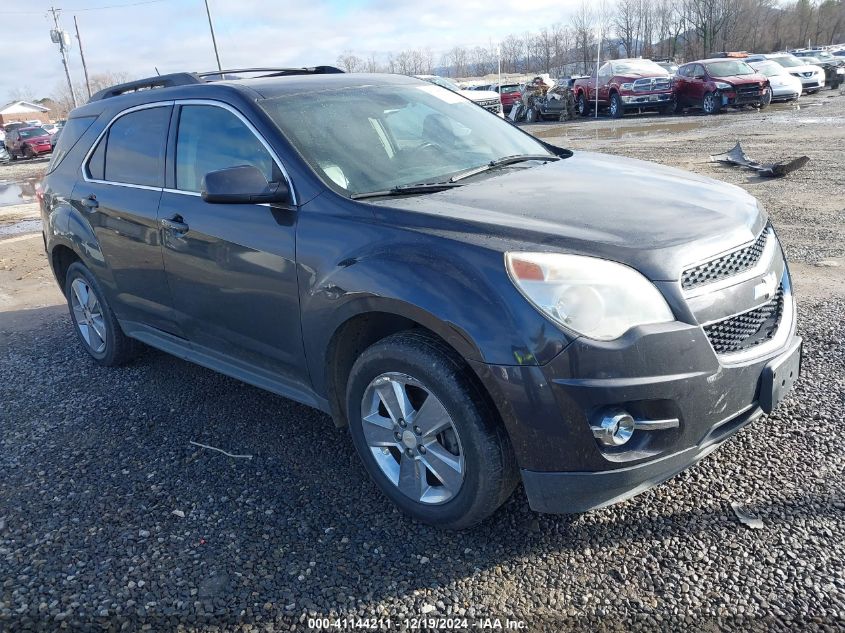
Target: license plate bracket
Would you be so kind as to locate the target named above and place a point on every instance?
(779, 376)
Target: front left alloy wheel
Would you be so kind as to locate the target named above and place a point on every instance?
(426, 434)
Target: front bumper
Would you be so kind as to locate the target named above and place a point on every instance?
(647, 99)
(661, 372)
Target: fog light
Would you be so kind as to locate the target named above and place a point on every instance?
(614, 429)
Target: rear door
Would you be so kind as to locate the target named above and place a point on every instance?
(119, 194)
(231, 267)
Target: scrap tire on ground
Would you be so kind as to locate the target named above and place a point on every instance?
(710, 103)
(617, 108)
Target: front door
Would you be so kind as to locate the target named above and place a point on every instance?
(231, 267)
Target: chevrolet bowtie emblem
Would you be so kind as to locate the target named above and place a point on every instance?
(767, 287)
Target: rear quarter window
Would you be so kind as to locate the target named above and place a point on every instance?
(68, 138)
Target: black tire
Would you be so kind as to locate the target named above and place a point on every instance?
(671, 108)
(119, 348)
(28, 153)
(532, 116)
(767, 99)
(617, 108)
(489, 471)
(582, 105)
(710, 103)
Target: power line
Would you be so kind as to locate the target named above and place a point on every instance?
(100, 8)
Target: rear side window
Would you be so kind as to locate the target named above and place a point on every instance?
(211, 138)
(132, 151)
(68, 137)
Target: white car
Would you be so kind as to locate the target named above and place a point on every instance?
(785, 87)
(812, 77)
(52, 128)
(487, 99)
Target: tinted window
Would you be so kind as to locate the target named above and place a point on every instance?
(685, 71)
(70, 134)
(97, 163)
(135, 147)
(211, 138)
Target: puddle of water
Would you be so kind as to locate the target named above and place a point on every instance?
(18, 192)
(24, 226)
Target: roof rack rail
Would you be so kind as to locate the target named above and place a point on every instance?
(160, 81)
(212, 75)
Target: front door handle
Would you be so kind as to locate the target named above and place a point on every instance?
(174, 224)
(90, 202)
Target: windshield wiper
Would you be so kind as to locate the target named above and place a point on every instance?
(500, 162)
(404, 190)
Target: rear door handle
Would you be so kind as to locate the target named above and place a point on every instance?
(174, 224)
(90, 202)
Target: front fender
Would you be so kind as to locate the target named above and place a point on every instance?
(456, 289)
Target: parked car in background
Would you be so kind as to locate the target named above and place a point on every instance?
(668, 65)
(479, 307)
(785, 86)
(834, 67)
(717, 83)
(624, 85)
(509, 94)
(51, 128)
(28, 142)
(812, 77)
(487, 99)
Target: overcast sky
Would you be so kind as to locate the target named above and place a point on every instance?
(173, 34)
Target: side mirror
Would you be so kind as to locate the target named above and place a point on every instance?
(244, 184)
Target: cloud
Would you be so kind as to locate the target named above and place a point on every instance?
(172, 35)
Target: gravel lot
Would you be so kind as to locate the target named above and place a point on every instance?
(111, 520)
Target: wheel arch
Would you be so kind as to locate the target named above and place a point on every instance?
(369, 324)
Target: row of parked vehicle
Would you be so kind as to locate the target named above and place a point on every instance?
(28, 139)
(727, 80)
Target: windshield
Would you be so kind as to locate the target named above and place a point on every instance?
(445, 83)
(770, 69)
(637, 66)
(33, 132)
(362, 139)
(509, 89)
(788, 61)
(729, 69)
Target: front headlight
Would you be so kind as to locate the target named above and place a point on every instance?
(594, 297)
(721, 85)
(627, 86)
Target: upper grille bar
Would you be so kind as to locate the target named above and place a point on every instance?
(727, 265)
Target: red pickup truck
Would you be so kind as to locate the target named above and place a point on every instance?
(626, 84)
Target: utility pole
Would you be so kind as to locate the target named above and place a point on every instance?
(213, 39)
(82, 57)
(63, 40)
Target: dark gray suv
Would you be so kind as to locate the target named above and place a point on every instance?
(479, 307)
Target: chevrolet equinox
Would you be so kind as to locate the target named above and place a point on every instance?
(478, 306)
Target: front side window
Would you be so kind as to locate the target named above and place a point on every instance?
(375, 137)
(212, 138)
(132, 151)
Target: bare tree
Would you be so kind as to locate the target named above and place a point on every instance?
(350, 62)
(583, 26)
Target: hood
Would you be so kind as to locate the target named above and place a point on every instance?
(739, 80)
(480, 95)
(805, 68)
(634, 76)
(656, 219)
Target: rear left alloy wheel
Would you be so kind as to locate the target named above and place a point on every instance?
(425, 433)
(95, 323)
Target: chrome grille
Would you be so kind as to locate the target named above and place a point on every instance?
(652, 83)
(726, 265)
(747, 330)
